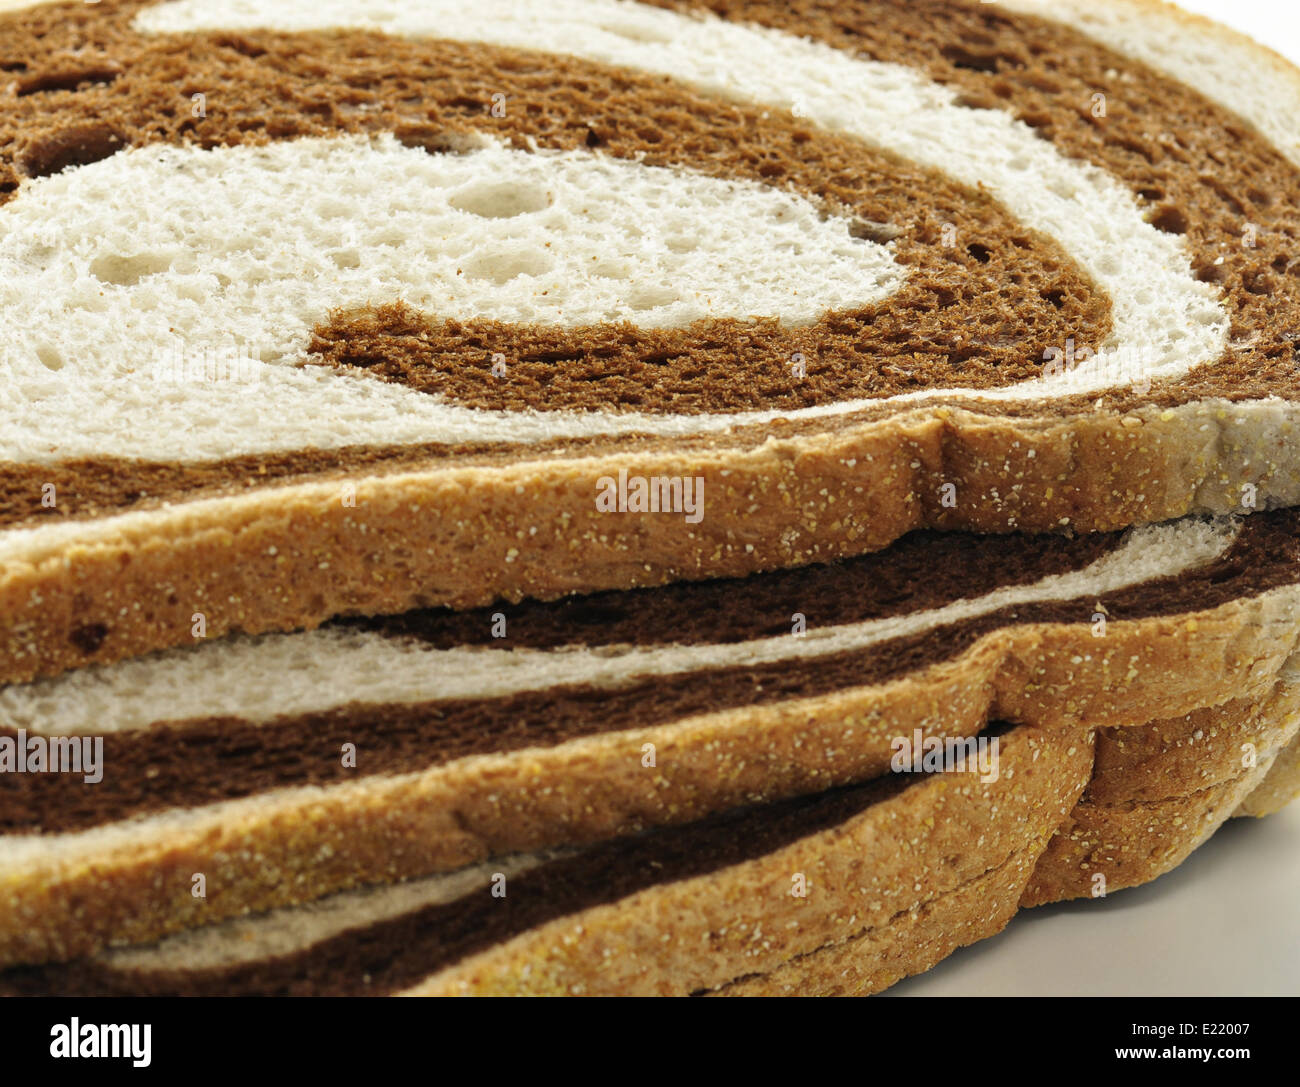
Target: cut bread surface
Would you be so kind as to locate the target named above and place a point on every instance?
(319, 318)
(1134, 367)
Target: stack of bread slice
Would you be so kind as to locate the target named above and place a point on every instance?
(630, 498)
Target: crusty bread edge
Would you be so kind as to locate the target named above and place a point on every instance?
(1130, 837)
(131, 882)
(291, 557)
(936, 836)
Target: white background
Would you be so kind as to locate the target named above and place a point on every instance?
(1225, 923)
(1276, 23)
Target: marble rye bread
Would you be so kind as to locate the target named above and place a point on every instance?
(844, 892)
(287, 767)
(325, 307)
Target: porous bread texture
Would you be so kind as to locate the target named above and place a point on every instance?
(908, 943)
(92, 297)
(117, 276)
(1165, 320)
(1116, 829)
(531, 531)
(895, 856)
(897, 888)
(1157, 835)
(860, 874)
(262, 679)
(1250, 79)
(297, 844)
(283, 931)
(1143, 841)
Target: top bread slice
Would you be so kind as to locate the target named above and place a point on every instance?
(353, 306)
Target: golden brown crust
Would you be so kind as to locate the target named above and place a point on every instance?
(1112, 468)
(1120, 829)
(1184, 755)
(468, 537)
(896, 856)
(896, 888)
(909, 943)
(1105, 848)
(1160, 791)
(1281, 785)
(283, 849)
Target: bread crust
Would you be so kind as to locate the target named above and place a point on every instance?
(1280, 786)
(467, 537)
(895, 888)
(892, 859)
(1170, 787)
(1144, 839)
(303, 843)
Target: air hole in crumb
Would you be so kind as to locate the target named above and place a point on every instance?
(503, 200)
(123, 271)
(635, 33)
(1041, 123)
(66, 81)
(1171, 219)
(241, 45)
(75, 145)
(650, 297)
(435, 140)
(50, 358)
(972, 60)
(981, 253)
(502, 267)
(1260, 282)
(880, 233)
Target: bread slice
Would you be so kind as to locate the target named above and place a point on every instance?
(288, 767)
(1160, 791)
(447, 307)
(671, 912)
(1280, 786)
(839, 893)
